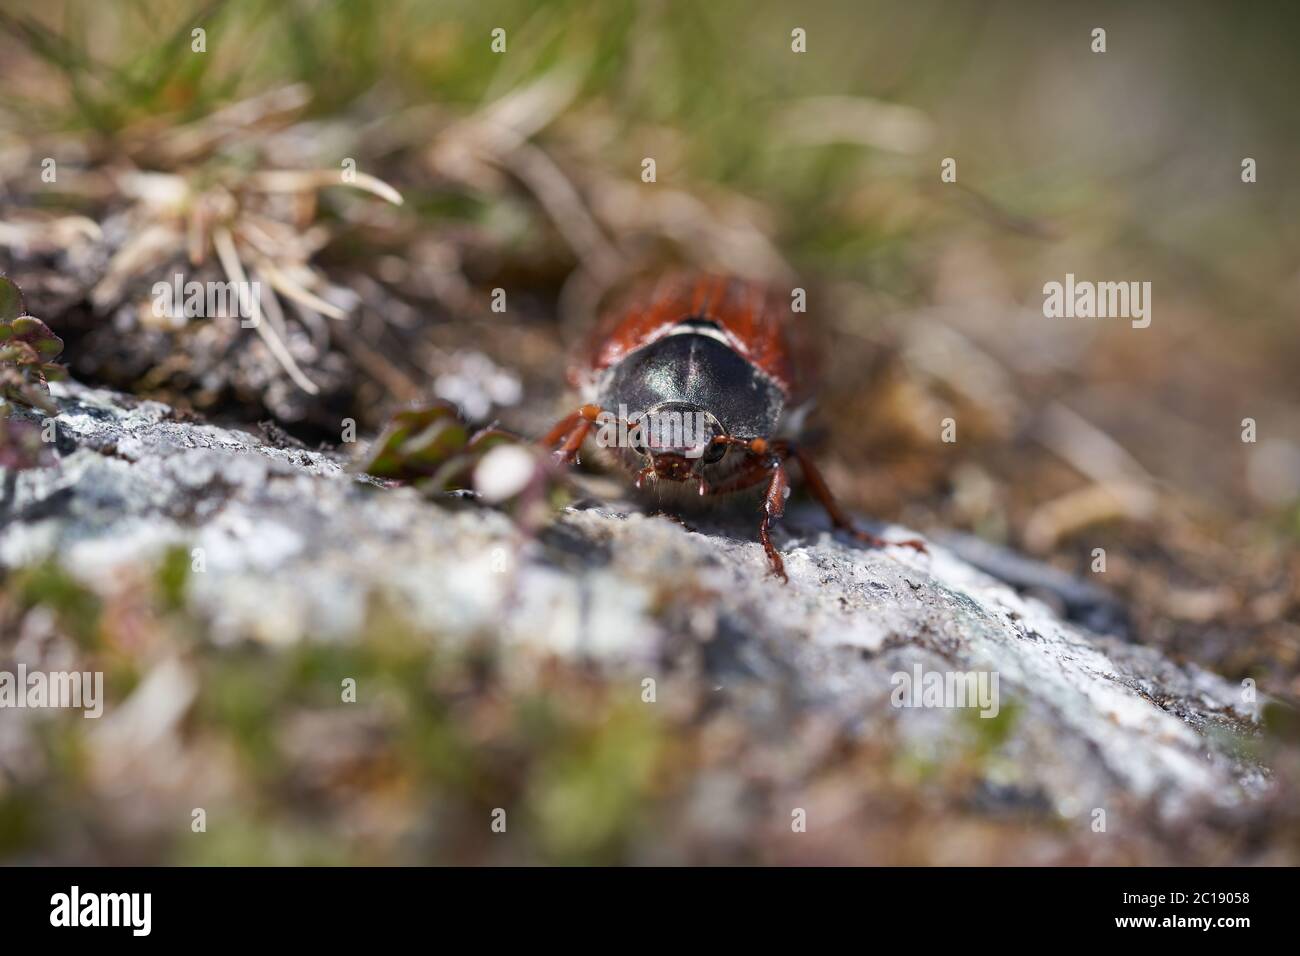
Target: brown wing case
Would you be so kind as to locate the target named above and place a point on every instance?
(755, 319)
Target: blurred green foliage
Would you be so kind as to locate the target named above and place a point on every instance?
(706, 84)
(75, 605)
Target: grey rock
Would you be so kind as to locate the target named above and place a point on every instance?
(294, 547)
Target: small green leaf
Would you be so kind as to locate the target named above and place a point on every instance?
(11, 300)
(417, 443)
(38, 335)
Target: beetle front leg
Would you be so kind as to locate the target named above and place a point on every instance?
(755, 470)
(570, 432)
(778, 489)
(822, 492)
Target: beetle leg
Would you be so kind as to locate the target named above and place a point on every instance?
(568, 452)
(771, 469)
(561, 430)
(751, 472)
(773, 507)
(822, 492)
(570, 432)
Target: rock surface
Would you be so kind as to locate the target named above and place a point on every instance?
(295, 549)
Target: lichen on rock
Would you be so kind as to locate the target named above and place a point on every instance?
(201, 544)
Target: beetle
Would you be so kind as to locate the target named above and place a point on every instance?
(692, 384)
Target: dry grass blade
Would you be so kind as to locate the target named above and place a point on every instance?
(285, 285)
(292, 181)
(1087, 448)
(184, 143)
(1095, 504)
(57, 234)
(529, 109)
(499, 135)
(149, 249)
(224, 243)
(560, 198)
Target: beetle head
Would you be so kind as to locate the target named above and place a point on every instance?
(676, 440)
(689, 388)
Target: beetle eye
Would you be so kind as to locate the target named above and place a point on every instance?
(636, 439)
(713, 454)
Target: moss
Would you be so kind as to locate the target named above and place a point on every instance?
(173, 576)
(241, 693)
(992, 732)
(246, 840)
(1282, 723)
(589, 792)
(21, 825)
(76, 608)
